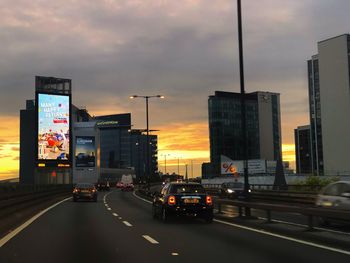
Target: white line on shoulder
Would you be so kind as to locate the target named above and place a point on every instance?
(145, 200)
(12, 234)
(285, 237)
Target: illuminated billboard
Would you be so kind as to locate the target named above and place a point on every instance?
(85, 151)
(53, 128)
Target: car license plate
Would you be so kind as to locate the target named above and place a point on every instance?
(191, 201)
(85, 191)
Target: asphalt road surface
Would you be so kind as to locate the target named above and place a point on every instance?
(120, 228)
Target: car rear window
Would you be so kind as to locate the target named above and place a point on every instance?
(85, 186)
(235, 185)
(183, 188)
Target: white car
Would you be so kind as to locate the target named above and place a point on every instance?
(334, 196)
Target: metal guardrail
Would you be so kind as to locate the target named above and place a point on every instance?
(27, 196)
(289, 188)
(284, 196)
(309, 212)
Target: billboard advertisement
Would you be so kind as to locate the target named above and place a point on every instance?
(230, 167)
(53, 113)
(85, 151)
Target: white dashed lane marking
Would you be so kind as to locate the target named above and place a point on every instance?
(115, 214)
(127, 223)
(149, 239)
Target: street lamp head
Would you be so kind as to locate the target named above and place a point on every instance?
(161, 96)
(133, 96)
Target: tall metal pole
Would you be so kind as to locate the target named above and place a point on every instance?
(165, 162)
(178, 165)
(243, 108)
(147, 148)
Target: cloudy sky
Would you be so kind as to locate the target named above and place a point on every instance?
(182, 49)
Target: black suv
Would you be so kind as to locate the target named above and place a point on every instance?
(183, 199)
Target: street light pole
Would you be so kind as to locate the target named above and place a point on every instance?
(147, 148)
(243, 108)
(147, 134)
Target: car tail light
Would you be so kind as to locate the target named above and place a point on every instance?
(75, 190)
(171, 200)
(93, 190)
(209, 200)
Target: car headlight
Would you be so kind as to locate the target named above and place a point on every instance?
(230, 191)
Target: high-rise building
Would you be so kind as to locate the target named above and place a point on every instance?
(263, 126)
(126, 148)
(315, 115)
(329, 93)
(303, 157)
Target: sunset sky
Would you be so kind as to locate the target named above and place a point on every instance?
(185, 50)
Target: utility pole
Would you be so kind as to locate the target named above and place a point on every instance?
(243, 108)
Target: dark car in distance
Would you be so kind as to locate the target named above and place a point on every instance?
(103, 186)
(84, 191)
(183, 199)
(233, 190)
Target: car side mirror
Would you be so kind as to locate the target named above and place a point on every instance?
(346, 194)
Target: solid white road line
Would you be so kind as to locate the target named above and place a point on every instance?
(115, 214)
(285, 237)
(12, 234)
(301, 225)
(149, 239)
(145, 200)
(127, 223)
(346, 252)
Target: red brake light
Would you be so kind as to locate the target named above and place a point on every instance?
(171, 200)
(209, 200)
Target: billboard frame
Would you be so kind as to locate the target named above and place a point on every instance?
(42, 163)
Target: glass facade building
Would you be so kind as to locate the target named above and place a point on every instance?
(123, 147)
(225, 127)
(303, 156)
(315, 115)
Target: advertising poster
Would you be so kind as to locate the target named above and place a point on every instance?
(53, 127)
(230, 167)
(85, 151)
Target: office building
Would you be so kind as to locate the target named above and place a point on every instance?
(315, 115)
(303, 156)
(329, 96)
(263, 126)
(126, 148)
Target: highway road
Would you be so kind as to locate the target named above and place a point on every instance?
(119, 228)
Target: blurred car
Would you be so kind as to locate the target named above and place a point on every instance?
(119, 185)
(85, 191)
(103, 186)
(334, 196)
(128, 187)
(183, 199)
(234, 190)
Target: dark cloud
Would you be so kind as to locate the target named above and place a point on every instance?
(186, 51)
